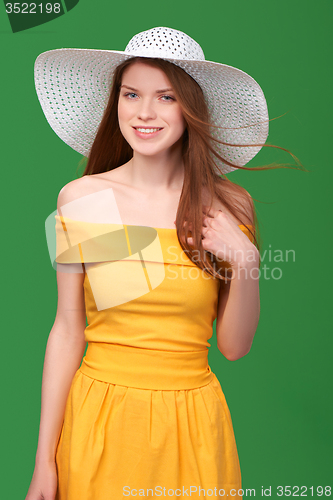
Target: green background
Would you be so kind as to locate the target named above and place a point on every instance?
(280, 394)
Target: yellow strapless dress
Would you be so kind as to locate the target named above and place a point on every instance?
(145, 415)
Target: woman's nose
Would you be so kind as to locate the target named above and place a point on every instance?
(146, 110)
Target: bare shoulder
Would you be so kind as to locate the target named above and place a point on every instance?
(241, 201)
(88, 184)
(72, 191)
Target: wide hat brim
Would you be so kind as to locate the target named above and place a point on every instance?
(73, 87)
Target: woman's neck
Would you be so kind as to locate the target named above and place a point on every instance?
(156, 173)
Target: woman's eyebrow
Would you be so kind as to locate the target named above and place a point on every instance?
(157, 91)
(164, 90)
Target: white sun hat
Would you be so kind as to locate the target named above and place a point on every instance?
(73, 87)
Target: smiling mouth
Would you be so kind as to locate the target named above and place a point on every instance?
(147, 130)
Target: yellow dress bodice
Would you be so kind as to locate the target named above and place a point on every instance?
(140, 287)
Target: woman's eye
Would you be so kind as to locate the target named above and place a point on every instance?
(130, 95)
(168, 98)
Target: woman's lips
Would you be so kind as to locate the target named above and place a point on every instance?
(150, 132)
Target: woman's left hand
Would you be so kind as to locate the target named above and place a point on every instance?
(223, 238)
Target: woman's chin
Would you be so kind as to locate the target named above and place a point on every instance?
(148, 151)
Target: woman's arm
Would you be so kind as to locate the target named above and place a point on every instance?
(64, 350)
(65, 346)
(238, 311)
(239, 301)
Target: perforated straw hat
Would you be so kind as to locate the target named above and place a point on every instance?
(73, 86)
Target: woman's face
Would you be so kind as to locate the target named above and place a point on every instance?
(150, 118)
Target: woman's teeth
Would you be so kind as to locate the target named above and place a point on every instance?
(148, 130)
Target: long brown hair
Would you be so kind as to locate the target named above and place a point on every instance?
(110, 150)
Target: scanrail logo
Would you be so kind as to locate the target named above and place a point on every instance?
(26, 15)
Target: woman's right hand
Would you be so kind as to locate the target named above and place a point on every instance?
(44, 481)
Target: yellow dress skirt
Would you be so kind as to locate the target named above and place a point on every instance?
(145, 416)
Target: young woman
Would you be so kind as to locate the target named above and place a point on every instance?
(153, 244)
